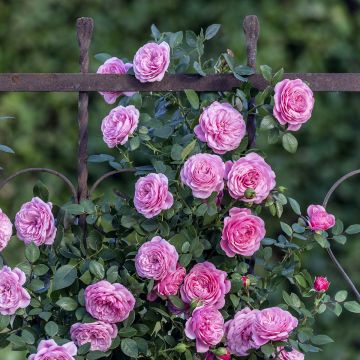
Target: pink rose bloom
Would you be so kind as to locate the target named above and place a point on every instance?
(319, 219)
(206, 325)
(211, 356)
(239, 332)
(242, 233)
(206, 284)
(156, 259)
(50, 350)
(5, 230)
(13, 295)
(35, 223)
(114, 66)
(152, 195)
(151, 62)
(273, 324)
(321, 284)
(170, 284)
(108, 302)
(119, 124)
(250, 172)
(221, 127)
(291, 355)
(203, 174)
(99, 334)
(293, 103)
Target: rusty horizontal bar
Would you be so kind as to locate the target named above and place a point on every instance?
(74, 82)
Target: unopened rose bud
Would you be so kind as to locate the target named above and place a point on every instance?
(321, 284)
(246, 281)
(250, 193)
(180, 348)
(282, 189)
(230, 52)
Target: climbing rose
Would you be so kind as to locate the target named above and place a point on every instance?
(152, 195)
(170, 284)
(250, 172)
(206, 325)
(221, 127)
(273, 324)
(156, 259)
(13, 295)
(204, 174)
(151, 62)
(108, 302)
(119, 124)
(293, 103)
(206, 284)
(114, 66)
(321, 284)
(319, 219)
(242, 233)
(49, 350)
(239, 332)
(99, 334)
(35, 223)
(5, 230)
(289, 355)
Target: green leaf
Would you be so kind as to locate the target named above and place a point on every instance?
(211, 31)
(191, 38)
(176, 151)
(193, 98)
(64, 277)
(41, 269)
(278, 76)
(185, 259)
(198, 68)
(188, 149)
(95, 355)
(341, 239)
(266, 72)
(322, 241)
(67, 304)
(134, 143)
(41, 191)
(353, 229)
(268, 349)
(6, 149)
(129, 347)
(127, 332)
(155, 32)
(295, 206)
(286, 228)
(177, 302)
(102, 57)
(32, 252)
(97, 269)
(100, 158)
(321, 339)
(51, 328)
(74, 209)
(163, 132)
(289, 143)
(176, 39)
(341, 295)
(352, 306)
(267, 123)
(338, 228)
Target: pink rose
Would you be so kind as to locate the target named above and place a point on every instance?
(289, 355)
(319, 219)
(156, 259)
(119, 124)
(242, 233)
(206, 325)
(273, 324)
(151, 62)
(35, 223)
(204, 174)
(206, 284)
(13, 295)
(5, 230)
(49, 350)
(239, 332)
(293, 103)
(99, 334)
(152, 195)
(245, 281)
(107, 302)
(250, 172)
(321, 284)
(114, 66)
(211, 356)
(170, 284)
(221, 127)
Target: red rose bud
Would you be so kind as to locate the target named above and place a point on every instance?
(249, 193)
(245, 281)
(218, 354)
(321, 284)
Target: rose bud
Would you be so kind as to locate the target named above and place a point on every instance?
(246, 281)
(321, 284)
(250, 193)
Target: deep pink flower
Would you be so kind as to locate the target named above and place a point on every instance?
(206, 325)
(206, 284)
(49, 350)
(289, 355)
(35, 223)
(211, 356)
(242, 233)
(321, 284)
(5, 230)
(156, 259)
(293, 103)
(99, 334)
(111, 303)
(221, 126)
(152, 195)
(170, 284)
(250, 172)
(246, 281)
(203, 174)
(151, 62)
(114, 66)
(319, 219)
(119, 124)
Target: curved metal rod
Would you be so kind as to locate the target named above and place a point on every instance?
(329, 251)
(110, 173)
(50, 171)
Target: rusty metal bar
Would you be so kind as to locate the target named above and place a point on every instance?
(74, 82)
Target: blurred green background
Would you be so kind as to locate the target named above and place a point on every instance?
(301, 36)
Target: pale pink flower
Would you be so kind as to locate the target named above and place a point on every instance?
(319, 219)
(5, 230)
(50, 350)
(289, 355)
(170, 284)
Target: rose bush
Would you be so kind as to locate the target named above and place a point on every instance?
(180, 267)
